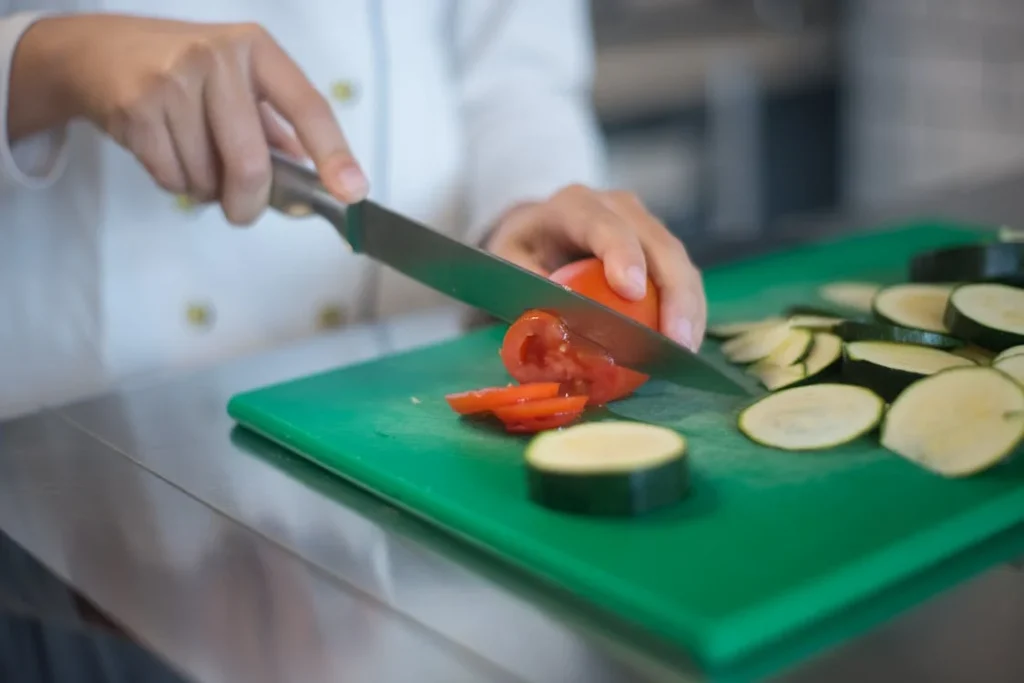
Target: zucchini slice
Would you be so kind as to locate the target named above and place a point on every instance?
(756, 344)
(990, 315)
(825, 355)
(856, 296)
(791, 351)
(887, 368)
(972, 263)
(814, 322)
(976, 353)
(729, 330)
(957, 422)
(1012, 366)
(775, 377)
(855, 331)
(1006, 353)
(613, 468)
(917, 306)
(810, 418)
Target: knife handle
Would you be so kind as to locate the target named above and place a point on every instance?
(296, 191)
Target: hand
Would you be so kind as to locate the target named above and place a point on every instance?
(615, 227)
(199, 105)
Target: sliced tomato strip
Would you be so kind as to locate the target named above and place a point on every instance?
(485, 400)
(540, 424)
(545, 407)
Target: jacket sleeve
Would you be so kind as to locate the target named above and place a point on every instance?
(35, 161)
(525, 72)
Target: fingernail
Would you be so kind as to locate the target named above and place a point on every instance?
(636, 281)
(353, 183)
(682, 331)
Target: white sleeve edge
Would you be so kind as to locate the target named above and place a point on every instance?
(43, 156)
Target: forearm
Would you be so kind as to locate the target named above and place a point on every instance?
(37, 99)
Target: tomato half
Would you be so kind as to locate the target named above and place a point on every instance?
(485, 400)
(586, 277)
(540, 348)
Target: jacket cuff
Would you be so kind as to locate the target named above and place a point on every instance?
(35, 161)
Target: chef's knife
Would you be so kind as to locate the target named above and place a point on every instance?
(482, 280)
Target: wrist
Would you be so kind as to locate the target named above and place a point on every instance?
(39, 96)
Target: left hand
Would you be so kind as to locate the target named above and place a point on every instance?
(615, 227)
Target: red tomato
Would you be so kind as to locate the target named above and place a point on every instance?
(545, 407)
(484, 400)
(539, 348)
(540, 424)
(586, 277)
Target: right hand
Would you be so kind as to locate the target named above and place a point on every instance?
(199, 105)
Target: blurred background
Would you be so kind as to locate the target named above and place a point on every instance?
(731, 116)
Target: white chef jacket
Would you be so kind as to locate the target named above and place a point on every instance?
(456, 109)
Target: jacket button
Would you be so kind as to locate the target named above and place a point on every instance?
(200, 315)
(330, 317)
(343, 91)
(184, 203)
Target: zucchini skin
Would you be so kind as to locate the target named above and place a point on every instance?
(976, 333)
(855, 331)
(884, 381)
(819, 311)
(611, 494)
(1002, 263)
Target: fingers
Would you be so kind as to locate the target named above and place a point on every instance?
(279, 136)
(146, 135)
(679, 283)
(241, 146)
(285, 87)
(592, 225)
(193, 144)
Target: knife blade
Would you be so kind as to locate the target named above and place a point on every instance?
(485, 281)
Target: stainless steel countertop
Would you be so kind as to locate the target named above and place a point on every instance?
(238, 564)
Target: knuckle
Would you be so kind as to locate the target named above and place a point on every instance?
(250, 172)
(169, 86)
(200, 55)
(314, 106)
(132, 125)
(669, 245)
(624, 197)
(251, 30)
(572, 192)
(203, 187)
(164, 174)
(239, 213)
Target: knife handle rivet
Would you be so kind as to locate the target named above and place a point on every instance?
(298, 210)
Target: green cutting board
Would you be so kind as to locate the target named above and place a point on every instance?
(768, 545)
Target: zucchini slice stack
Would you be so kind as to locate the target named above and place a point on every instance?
(946, 350)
